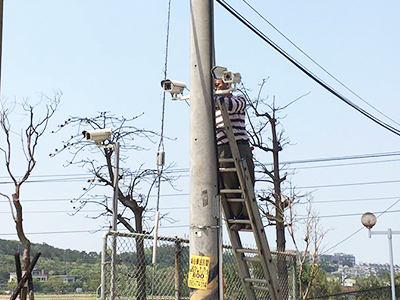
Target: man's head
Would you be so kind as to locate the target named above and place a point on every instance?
(219, 85)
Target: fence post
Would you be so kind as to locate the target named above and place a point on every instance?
(113, 266)
(295, 279)
(177, 269)
(103, 267)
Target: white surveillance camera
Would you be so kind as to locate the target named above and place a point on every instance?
(174, 87)
(230, 77)
(225, 75)
(97, 135)
(218, 72)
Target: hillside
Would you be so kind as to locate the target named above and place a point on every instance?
(85, 267)
(9, 247)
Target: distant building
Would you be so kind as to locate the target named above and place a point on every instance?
(42, 275)
(66, 278)
(340, 259)
(36, 274)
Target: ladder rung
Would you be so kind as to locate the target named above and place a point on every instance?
(239, 221)
(230, 191)
(252, 258)
(227, 170)
(226, 160)
(235, 200)
(242, 250)
(259, 288)
(255, 280)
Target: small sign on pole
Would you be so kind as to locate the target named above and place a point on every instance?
(199, 268)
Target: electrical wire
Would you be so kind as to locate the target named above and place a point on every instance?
(356, 200)
(91, 231)
(83, 176)
(174, 195)
(357, 231)
(161, 152)
(347, 184)
(347, 215)
(307, 72)
(160, 167)
(317, 64)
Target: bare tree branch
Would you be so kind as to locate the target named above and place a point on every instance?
(29, 140)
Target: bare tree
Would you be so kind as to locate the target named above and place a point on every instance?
(265, 136)
(312, 236)
(29, 138)
(135, 185)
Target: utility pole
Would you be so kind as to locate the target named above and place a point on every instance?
(203, 187)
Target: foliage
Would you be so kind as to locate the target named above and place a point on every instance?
(369, 282)
(55, 261)
(67, 255)
(28, 136)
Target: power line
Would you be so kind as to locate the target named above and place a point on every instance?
(58, 232)
(347, 157)
(357, 231)
(346, 165)
(347, 184)
(91, 231)
(174, 195)
(83, 176)
(356, 200)
(307, 72)
(166, 195)
(348, 215)
(87, 211)
(316, 63)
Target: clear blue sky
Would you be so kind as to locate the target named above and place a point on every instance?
(110, 57)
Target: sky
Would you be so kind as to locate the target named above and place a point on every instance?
(110, 57)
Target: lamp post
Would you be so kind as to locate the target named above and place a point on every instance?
(101, 137)
(369, 220)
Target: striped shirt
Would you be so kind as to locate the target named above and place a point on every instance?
(236, 106)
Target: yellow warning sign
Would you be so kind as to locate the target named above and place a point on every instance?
(199, 268)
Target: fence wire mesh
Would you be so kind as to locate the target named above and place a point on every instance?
(378, 293)
(130, 274)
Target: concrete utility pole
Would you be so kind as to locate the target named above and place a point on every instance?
(204, 205)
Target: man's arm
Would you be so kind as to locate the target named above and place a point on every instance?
(235, 104)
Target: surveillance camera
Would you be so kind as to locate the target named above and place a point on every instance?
(230, 77)
(173, 86)
(97, 135)
(218, 72)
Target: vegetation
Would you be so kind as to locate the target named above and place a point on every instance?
(85, 266)
(30, 134)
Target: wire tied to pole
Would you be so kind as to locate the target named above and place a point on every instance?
(161, 153)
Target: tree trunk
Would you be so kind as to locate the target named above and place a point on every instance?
(26, 255)
(279, 215)
(141, 259)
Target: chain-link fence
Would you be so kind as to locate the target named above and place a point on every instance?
(379, 293)
(129, 274)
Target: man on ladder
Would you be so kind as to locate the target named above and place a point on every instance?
(236, 105)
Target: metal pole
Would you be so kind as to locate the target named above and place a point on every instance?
(103, 267)
(389, 234)
(177, 269)
(295, 279)
(114, 225)
(203, 188)
(115, 196)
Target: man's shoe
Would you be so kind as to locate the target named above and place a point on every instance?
(237, 227)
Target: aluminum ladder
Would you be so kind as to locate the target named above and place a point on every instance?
(255, 266)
